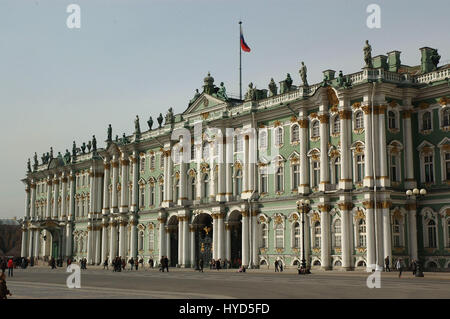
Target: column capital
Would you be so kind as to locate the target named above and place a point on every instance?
(345, 114)
(325, 208)
(347, 206)
(368, 204)
(411, 207)
(324, 118)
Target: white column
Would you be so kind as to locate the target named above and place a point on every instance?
(98, 247)
(91, 193)
(122, 239)
(324, 162)
(64, 212)
(69, 239)
(37, 242)
(325, 236)
(246, 170)
(30, 242)
(220, 237)
(23, 251)
(115, 166)
(106, 183)
(227, 242)
(135, 185)
(345, 240)
(33, 201)
(221, 174)
(55, 197)
(379, 231)
(387, 241)
(72, 197)
(345, 139)
(370, 224)
(193, 262)
(112, 240)
(89, 257)
(255, 246)
(183, 184)
(27, 203)
(252, 162)
(245, 238)
(228, 163)
(412, 231)
(168, 246)
(49, 198)
(180, 240)
(162, 237)
(368, 169)
(410, 181)
(384, 175)
(125, 190)
(186, 262)
(105, 240)
(215, 236)
(168, 192)
(133, 236)
(304, 166)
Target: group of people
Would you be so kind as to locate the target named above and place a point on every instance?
(7, 264)
(218, 264)
(4, 292)
(400, 266)
(164, 264)
(278, 266)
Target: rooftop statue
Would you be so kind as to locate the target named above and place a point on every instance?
(67, 156)
(117, 138)
(44, 158)
(196, 95)
(36, 163)
(341, 79)
(83, 147)
(368, 55)
(51, 152)
(251, 94)
(160, 119)
(59, 156)
(288, 81)
(435, 57)
(169, 116)
(89, 146)
(29, 166)
(303, 73)
(74, 149)
(150, 123)
(94, 143)
(325, 80)
(137, 127)
(272, 87)
(221, 93)
(109, 133)
(124, 139)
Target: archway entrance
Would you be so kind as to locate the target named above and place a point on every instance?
(172, 228)
(203, 229)
(235, 224)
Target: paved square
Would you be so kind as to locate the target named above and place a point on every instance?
(40, 282)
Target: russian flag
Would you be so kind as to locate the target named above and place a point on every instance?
(244, 45)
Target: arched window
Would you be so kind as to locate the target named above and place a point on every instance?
(295, 133)
(336, 125)
(315, 131)
(152, 194)
(161, 193)
(265, 235)
(296, 235)
(263, 139)
(151, 238)
(279, 236)
(337, 233)
(394, 169)
(193, 188)
(142, 163)
(359, 168)
(152, 162)
(362, 233)
(337, 170)
(426, 121)
(263, 179)
(429, 170)
(431, 230)
(359, 120)
(315, 173)
(141, 241)
(278, 136)
(295, 176)
(238, 182)
(142, 197)
(317, 234)
(279, 184)
(392, 120)
(205, 151)
(396, 233)
(446, 117)
(205, 186)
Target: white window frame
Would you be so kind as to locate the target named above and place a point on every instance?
(297, 135)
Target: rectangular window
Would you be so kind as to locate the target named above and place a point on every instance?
(428, 163)
(447, 166)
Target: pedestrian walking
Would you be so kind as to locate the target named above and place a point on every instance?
(399, 267)
(166, 263)
(10, 267)
(276, 266)
(414, 267)
(53, 263)
(386, 264)
(136, 263)
(4, 292)
(3, 265)
(131, 262)
(218, 264)
(105, 264)
(200, 264)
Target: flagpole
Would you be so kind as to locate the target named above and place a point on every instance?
(240, 61)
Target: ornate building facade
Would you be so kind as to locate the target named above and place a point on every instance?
(352, 144)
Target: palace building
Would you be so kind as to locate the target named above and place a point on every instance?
(352, 145)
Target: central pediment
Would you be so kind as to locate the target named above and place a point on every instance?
(203, 103)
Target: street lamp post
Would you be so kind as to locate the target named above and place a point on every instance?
(303, 208)
(417, 193)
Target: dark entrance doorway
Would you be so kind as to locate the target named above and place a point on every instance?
(235, 224)
(203, 239)
(172, 227)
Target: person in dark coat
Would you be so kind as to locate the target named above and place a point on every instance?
(136, 263)
(200, 264)
(105, 264)
(276, 266)
(53, 263)
(4, 292)
(166, 263)
(3, 266)
(386, 264)
(414, 267)
(218, 264)
(131, 262)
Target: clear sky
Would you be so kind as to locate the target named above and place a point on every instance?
(140, 57)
